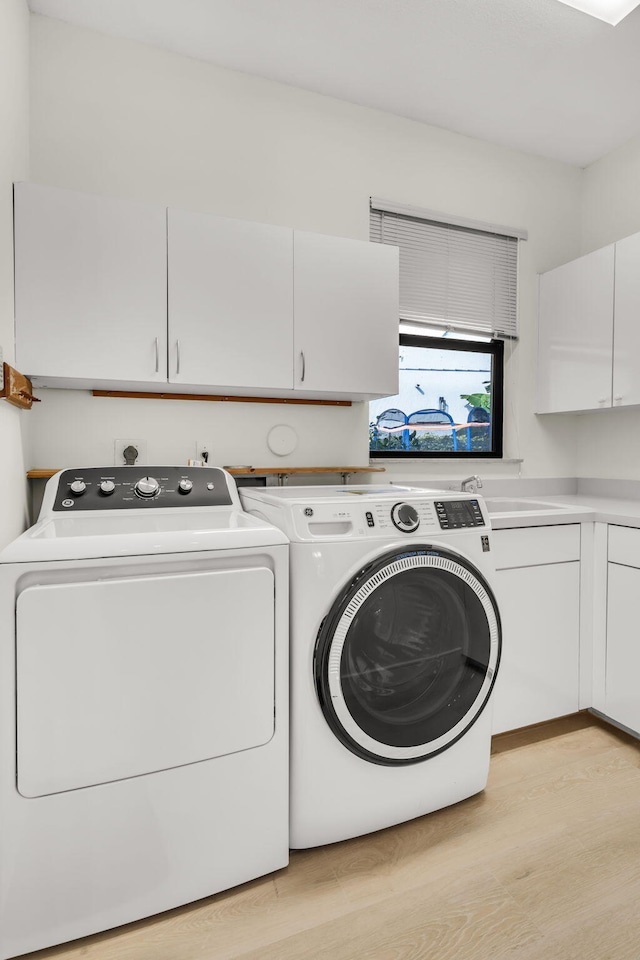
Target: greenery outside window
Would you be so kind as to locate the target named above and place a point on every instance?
(450, 402)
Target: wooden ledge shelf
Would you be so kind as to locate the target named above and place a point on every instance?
(279, 472)
(217, 398)
(274, 471)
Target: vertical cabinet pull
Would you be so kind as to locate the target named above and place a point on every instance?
(157, 357)
(303, 366)
(177, 356)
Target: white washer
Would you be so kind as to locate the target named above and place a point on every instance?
(143, 702)
(395, 642)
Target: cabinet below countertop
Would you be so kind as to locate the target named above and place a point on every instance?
(538, 593)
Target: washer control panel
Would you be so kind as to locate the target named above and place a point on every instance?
(121, 488)
(456, 514)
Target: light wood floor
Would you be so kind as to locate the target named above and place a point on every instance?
(544, 865)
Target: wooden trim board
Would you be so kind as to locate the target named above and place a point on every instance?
(136, 395)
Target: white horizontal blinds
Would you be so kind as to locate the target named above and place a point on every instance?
(452, 275)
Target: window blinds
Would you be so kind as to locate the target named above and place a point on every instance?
(461, 275)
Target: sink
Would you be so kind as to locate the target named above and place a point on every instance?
(504, 505)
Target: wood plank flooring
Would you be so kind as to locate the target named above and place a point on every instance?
(543, 865)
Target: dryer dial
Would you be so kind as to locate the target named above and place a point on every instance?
(405, 517)
(147, 487)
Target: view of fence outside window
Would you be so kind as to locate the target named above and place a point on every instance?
(449, 403)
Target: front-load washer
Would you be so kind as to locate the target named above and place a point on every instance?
(395, 643)
(143, 701)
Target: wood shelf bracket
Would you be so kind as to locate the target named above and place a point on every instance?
(17, 389)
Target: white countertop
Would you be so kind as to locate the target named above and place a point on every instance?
(575, 508)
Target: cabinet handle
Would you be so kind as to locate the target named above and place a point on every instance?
(157, 357)
(303, 366)
(177, 356)
(618, 399)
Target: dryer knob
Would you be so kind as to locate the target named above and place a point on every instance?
(185, 486)
(78, 487)
(147, 487)
(405, 517)
(107, 487)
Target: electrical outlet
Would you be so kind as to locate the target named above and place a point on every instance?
(203, 448)
(119, 446)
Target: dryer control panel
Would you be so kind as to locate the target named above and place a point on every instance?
(121, 488)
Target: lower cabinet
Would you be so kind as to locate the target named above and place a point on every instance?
(538, 594)
(622, 663)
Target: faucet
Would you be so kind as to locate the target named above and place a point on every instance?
(471, 484)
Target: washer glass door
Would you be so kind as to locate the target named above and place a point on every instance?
(407, 657)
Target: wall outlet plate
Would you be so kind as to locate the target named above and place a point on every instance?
(202, 447)
(119, 446)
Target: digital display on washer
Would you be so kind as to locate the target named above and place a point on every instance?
(454, 514)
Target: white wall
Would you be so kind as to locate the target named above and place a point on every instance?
(608, 440)
(14, 120)
(116, 117)
(611, 197)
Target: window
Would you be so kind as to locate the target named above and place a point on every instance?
(458, 296)
(449, 404)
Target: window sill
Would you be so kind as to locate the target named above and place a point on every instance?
(457, 459)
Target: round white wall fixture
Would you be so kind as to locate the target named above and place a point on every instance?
(282, 440)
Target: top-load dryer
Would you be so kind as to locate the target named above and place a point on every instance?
(143, 701)
(395, 644)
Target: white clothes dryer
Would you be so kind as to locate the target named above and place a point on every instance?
(395, 643)
(143, 701)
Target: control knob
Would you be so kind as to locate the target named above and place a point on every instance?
(147, 487)
(107, 487)
(185, 486)
(405, 517)
(78, 487)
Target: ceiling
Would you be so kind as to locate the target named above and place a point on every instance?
(535, 75)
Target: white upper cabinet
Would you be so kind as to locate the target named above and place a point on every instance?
(575, 335)
(346, 316)
(90, 286)
(230, 302)
(626, 330)
(589, 335)
(120, 295)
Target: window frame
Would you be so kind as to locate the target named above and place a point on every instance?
(495, 348)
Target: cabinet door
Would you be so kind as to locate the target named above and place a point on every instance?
(622, 700)
(346, 316)
(626, 340)
(90, 280)
(538, 676)
(230, 302)
(575, 335)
